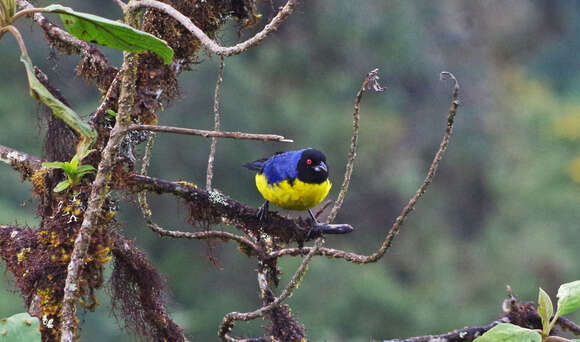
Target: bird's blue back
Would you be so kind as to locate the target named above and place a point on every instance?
(282, 166)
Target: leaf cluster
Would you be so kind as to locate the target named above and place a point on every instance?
(73, 170)
(568, 301)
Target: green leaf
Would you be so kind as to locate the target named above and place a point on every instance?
(73, 164)
(20, 328)
(95, 29)
(69, 167)
(545, 310)
(85, 154)
(53, 165)
(506, 332)
(59, 109)
(111, 113)
(568, 297)
(62, 186)
(85, 169)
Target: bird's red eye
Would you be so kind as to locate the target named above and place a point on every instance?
(308, 161)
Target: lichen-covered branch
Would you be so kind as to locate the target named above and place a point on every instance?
(23, 163)
(207, 42)
(99, 190)
(209, 134)
(371, 81)
(214, 207)
(394, 230)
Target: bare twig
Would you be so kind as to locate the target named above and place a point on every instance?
(99, 191)
(370, 81)
(228, 321)
(209, 134)
(207, 42)
(394, 230)
(216, 125)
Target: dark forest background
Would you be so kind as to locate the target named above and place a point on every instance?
(504, 208)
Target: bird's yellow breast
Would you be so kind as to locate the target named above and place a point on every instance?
(295, 196)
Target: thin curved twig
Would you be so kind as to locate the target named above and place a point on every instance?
(207, 42)
(370, 81)
(228, 321)
(216, 125)
(209, 134)
(205, 235)
(394, 230)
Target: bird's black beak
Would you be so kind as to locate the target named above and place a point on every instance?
(320, 167)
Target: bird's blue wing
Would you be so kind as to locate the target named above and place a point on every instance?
(282, 166)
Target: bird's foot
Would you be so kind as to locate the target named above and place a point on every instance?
(315, 230)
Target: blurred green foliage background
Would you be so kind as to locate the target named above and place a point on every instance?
(504, 208)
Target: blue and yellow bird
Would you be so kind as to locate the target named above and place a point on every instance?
(295, 180)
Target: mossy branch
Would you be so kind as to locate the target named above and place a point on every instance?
(216, 207)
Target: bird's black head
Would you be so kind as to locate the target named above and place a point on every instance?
(312, 167)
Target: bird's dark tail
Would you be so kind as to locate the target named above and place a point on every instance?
(257, 165)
